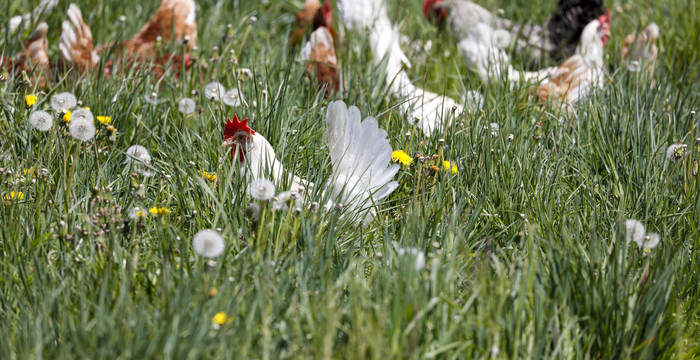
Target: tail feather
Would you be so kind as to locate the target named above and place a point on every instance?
(323, 63)
(44, 7)
(36, 55)
(75, 44)
(360, 156)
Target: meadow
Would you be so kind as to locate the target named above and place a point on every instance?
(520, 252)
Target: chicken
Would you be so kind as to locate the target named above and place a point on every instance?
(319, 52)
(174, 20)
(640, 50)
(429, 111)
(35, 57)
(360, 157)
(304, 20)
(556, 40)
(581, 73)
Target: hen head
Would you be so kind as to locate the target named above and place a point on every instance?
(238, 135)
(324, 16)
(434, 12)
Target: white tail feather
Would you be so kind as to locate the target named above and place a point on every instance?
(75, 43)
(360, 156)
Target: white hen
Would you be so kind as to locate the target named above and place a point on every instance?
(428, 110)
(360, 156)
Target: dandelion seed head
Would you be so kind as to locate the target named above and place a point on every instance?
(208, 243)
(137, 213)
(214, 90)
(152, 98)
(41, 120)
(651, 241)
(252, 211)
(138, 153)
(261, 189)
(232, 98)
(284, 200)
(63, 101)
(82, 128)
(676, 151)
(494, 128)
(83, 113)
(186, 106)
(635, 231)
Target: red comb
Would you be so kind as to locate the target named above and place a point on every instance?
(605, 18)
(232, 127)
(428, 5)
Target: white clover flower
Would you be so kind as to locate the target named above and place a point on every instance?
(283, 200)
(494, 128)
(208, 243)
(152, 98)
(675, 151)
(232, 98)
(186, 106)
(63, 101)
(473, 100)
(635, 230)
(82, 113)
(82, 129)
(419, 256)
(41, 120)
(261, 189)
(214, 90)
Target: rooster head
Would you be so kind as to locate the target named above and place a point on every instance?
(237, 135)
(434, 12)
(604, 21)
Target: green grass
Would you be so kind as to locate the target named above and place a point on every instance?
(525, 246)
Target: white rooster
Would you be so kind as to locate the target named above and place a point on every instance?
(360, 156)
(428, 110)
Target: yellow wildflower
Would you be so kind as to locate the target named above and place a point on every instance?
(159, 211)
(13, 195)
(66, 116)
(104, 120)
(209, 176)
(401, 157)
(221, 318)
(450, 166)
(30, 100)
(29, 172)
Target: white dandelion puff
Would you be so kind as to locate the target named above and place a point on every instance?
(138, 153)
(41, 120)
(283, 200)
(82, 129)
(63, 101)
(137, 213)
(252, 211)
(82, 114)
(261, 189)
(650, 241)
(186, 106)
(214, 90)
(676, 151)
(634, 66)
(232, 98)
(208, 243)
(635, 231)
(140, 158)
(152, 98)
(418, 255)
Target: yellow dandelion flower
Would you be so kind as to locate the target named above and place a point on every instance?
(159, 211)
(104, 120)
(29, 172)
(209, 176)
(450, 166)
(221, 318)
(66, 116)
(401, 157)
(13, 195)
(30, 100)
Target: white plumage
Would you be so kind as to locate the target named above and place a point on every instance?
(360, 157)
(428, 110)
